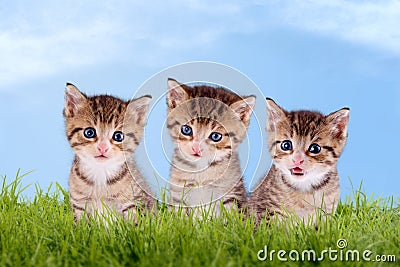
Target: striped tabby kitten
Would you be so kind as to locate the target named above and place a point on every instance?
(207, 124)
(305, 146)
(104, 131)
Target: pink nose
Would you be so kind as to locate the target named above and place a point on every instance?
(298, 162)
(196, 149)
(103, 148)
(298, 159)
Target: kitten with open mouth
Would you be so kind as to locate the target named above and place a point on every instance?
(297, 171)
(305, 146)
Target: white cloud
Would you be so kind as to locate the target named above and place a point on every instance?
(47, 38)
(371, 23)
(26, 56)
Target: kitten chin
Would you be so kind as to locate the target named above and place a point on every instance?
(304, 183)
(304, 180)
(201, 162)
(99, 171)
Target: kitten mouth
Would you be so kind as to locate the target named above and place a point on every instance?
(297, 171)
(101, 157)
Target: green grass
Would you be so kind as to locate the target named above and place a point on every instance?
(41, 232)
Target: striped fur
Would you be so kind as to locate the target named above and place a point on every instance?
(103, 175)
(317, 187)
(212, 176)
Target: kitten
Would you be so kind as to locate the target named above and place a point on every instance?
(305, 147)
(207, 124)
(104, 132)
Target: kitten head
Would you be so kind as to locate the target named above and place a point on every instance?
(305, 145)
(206, 123)
(103, 129)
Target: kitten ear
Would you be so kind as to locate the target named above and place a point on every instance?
(74, 100)
(274, 114)
(338, 122)
(176, 93)
(244, 108)
(137, 109)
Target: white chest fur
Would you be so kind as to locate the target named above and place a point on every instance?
(99, 171)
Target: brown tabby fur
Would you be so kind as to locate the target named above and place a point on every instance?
(282, 192)
(213, 177)
(99, 184)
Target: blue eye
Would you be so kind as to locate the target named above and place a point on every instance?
(314, 148)
(286, 145)
(216, 137)
(186, 130)
(89, 132)
(118, 136)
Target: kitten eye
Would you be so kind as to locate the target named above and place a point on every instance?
(118, 136)
(216, 137)
(89, 132)
(314, 148)
(286, 145)
(186, 130)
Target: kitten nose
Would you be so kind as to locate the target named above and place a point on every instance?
(298, 159)
(196, 149)
(298, 162)
(103, 148)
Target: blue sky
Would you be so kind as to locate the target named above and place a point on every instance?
(320, 55)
